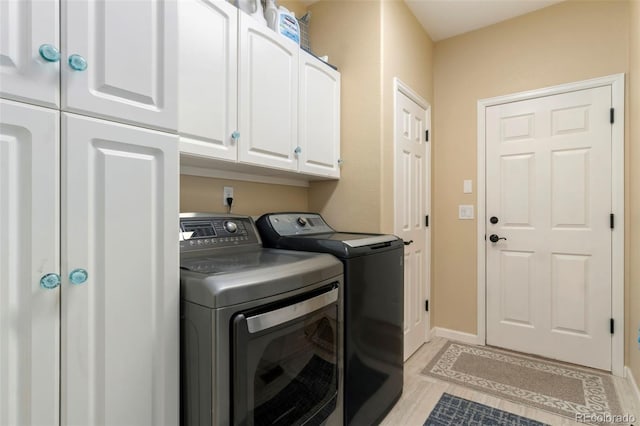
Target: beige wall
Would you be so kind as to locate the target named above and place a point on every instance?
(407, 53)
(349, 32)
(571, 41)
(633, 220)
(371, 43)
(295, 6)
(200, 194)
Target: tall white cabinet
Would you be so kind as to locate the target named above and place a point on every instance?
(29, 251)
(89, 282)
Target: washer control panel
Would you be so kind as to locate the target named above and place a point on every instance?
(202, 231)
(298, 223)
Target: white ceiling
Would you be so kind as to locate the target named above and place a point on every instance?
(447, 18)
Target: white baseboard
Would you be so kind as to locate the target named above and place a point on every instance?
(634, 385)
(458, 336)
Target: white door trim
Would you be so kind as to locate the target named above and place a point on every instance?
(616, 81)
(400, 87)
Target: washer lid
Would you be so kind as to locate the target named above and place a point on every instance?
(231, 278)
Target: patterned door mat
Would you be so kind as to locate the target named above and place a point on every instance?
(556, 387)
(454, 411)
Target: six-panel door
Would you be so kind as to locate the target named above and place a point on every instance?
(29, 254)
(120, 320)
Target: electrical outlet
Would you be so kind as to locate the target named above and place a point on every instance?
(227, 192)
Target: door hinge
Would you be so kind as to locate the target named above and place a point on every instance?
(611, 115)
(426, 135)
(426, 221)
(611, 221)
(426, 305)
(611, 325)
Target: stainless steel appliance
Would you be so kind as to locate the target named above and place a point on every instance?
(260, 328)
(373, 306)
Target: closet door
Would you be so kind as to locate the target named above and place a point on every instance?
(29, 265)
(120, 303)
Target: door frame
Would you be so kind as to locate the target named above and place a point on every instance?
(616, 81)
(400, 87)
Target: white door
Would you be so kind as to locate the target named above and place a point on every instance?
(29, 252)
(27, 28)
(120, 61)
(120, 340)
(268, 96)
(549, 186)
(319, 120)
(411, 182)
(208, 78)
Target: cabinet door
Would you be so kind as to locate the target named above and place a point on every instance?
(208, 78)
(29, 250)
(129, 48)
(268, 88)
(25, 74)
(319, 117)
(120, 340)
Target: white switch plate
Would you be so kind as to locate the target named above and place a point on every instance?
(467, 186)
(227, 192)
(465, 211)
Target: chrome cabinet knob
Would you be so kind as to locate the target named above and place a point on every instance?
(49, 53)
(297, 151)
(77, 62)
(50, 281)
(235, 135)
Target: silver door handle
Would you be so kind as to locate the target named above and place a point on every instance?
(280, 316)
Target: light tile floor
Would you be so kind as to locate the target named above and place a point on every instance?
(421, 393)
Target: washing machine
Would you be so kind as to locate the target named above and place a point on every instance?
(373, 306)
(261, 328)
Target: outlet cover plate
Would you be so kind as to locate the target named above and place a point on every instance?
(227, 192)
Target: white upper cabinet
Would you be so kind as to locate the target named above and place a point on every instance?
(268, 96)
(208, 78)
(319, 119)
(30, 51)
(120, 61)
(29, 256)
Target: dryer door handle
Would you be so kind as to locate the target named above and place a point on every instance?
(280, 316)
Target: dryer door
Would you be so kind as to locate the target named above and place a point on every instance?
(285, 361)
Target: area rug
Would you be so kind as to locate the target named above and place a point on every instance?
(556, 387)
(454, 411)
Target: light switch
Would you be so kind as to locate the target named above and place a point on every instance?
(467, 186)
(465, 211)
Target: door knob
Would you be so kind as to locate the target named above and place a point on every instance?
(495, 238)
(406, 243)
(493, 220)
